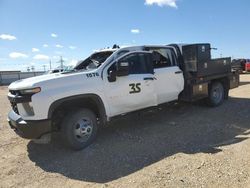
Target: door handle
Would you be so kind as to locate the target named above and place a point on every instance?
(178, 72)
(148, 78)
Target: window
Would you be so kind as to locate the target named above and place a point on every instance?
(163, 57)
(94, 61)
(119, 54)
(138, 63)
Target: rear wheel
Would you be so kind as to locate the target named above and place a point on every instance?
(79, 128)
(216, 94)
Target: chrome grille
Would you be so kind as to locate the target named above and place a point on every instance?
(13, 104)
(14, 107)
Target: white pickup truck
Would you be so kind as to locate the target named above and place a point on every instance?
(114, 82)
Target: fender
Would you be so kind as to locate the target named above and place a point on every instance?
(97, 99)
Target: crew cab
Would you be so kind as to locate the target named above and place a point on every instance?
(114, 82)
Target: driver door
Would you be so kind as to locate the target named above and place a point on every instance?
(134, 91)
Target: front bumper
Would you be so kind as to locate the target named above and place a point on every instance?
(28, 129)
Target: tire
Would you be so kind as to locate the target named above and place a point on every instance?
(79, 129)
(216, 94)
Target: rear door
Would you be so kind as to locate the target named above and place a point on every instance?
(135, 91)
(169, 77)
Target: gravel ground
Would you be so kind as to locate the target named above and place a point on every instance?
(181, 145)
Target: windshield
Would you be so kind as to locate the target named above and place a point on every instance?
(94, 61)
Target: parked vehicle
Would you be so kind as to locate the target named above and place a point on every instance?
(242, 65)
(115, 82)
(57, 70)
(247, 65)
(237, 65)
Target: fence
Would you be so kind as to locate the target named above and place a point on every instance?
(7, 77)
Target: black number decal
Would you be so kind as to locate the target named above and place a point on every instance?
(90, 75)
(135, 88)
(132, 88)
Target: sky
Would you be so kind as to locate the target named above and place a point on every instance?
(33, 32)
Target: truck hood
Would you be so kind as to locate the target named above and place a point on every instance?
(33, 81)
(51, 80)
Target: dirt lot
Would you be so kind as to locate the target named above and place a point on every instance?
(183, 145)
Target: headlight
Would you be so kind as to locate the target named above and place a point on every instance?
(30, 91)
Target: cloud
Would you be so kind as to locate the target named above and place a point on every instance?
(56, 57)
(45, 45)
(58, 52)
(161, 3)
(59, 46)
(7, 37)
(16, 55)
(53, 35)
(41, 57)
(135, 31)
(73, 62)
(35, 50)
(3, 59)
(72, 47)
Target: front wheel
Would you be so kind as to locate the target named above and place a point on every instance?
(216, 94)
(79, 128)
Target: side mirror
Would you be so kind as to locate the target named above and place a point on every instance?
(122, 68)
(112, 76)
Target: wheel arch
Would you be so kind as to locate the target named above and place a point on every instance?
(90, 101)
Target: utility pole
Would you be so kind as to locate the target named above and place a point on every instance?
(44, 68)
(61, 60)
(50, 64)
(33, 68)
